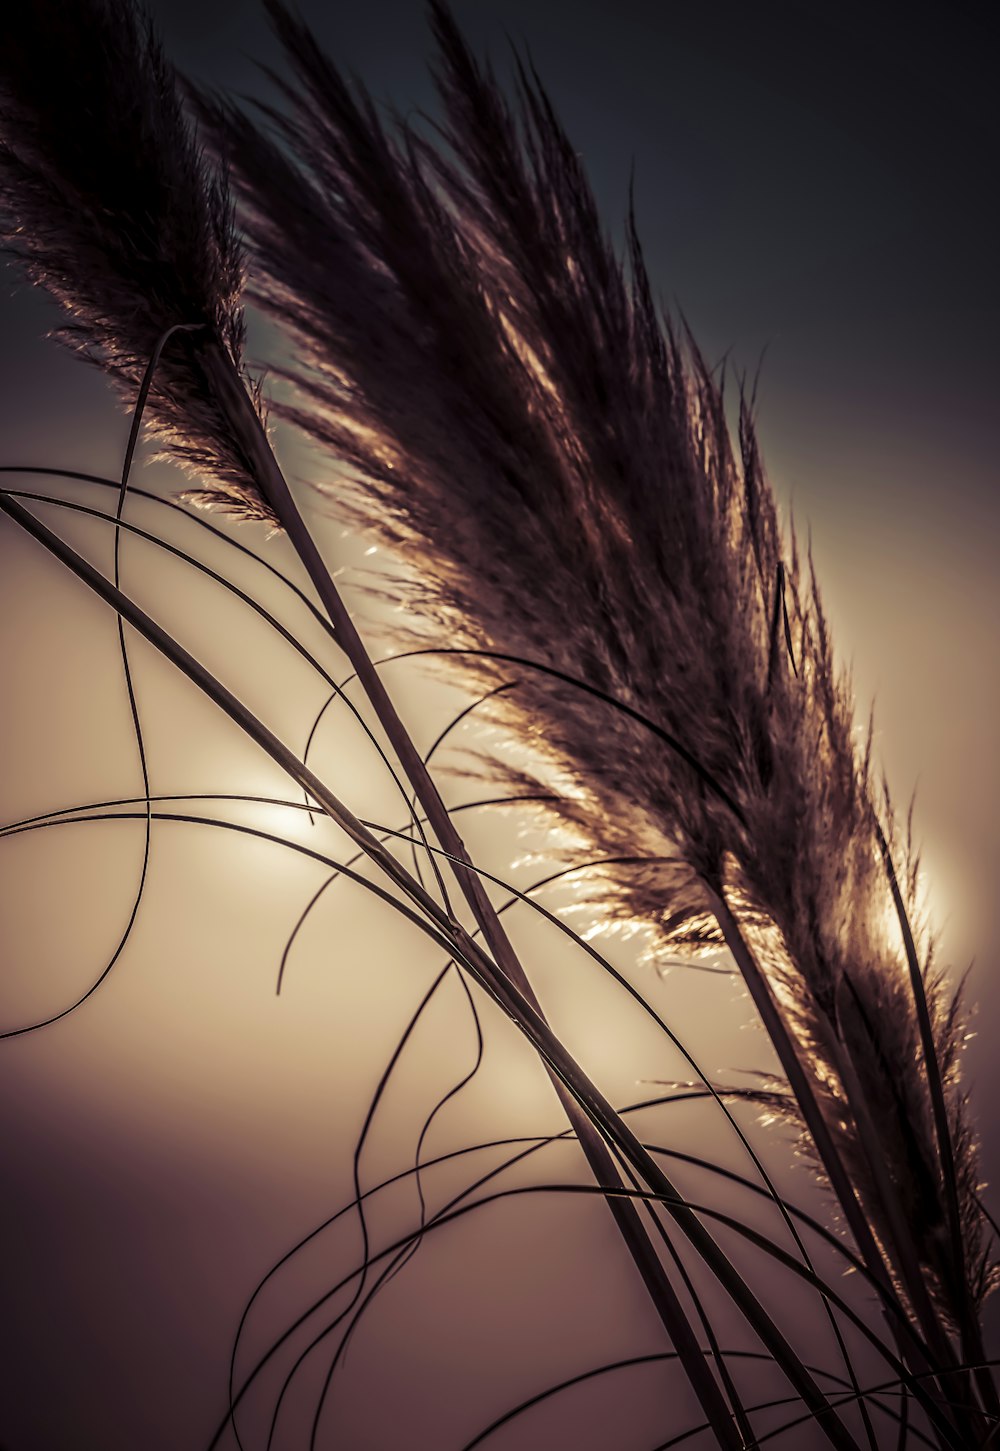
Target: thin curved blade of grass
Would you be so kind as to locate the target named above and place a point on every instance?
(360, 1302)
(200, 520)
(637, 1360)
(443, 735)
(58, 815)
(25, 1028)
(541, 668)
(753, 1237)
(398, 1261)
(534, 1145)
(970, 1331)
(446, 1098)
(247, 599)
(55, 817)
(133, 438)
(905, 1430)
(324, 886)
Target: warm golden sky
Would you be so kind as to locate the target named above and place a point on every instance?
(815, 188)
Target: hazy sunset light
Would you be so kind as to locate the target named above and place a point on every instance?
(306, 1123)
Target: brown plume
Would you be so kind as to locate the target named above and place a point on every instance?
(515, 419)
(108, 203)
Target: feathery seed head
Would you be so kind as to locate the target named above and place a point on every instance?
(551, 458)
(108, 204)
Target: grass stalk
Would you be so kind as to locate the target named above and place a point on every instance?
(906, 1257)
(767, 1009)
(970, 1332)
(829, 1157)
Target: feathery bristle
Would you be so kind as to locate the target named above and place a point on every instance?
(526, 431)
(108, 203)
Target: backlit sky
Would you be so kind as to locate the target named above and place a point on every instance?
(814, 186)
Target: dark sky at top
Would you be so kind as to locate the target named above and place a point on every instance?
(823, 169)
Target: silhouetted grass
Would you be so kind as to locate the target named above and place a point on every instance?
(550, 459)
(552, 463)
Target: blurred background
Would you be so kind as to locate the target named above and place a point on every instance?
(815, 194)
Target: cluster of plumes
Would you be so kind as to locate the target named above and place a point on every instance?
(107, 202)
(516, 421)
